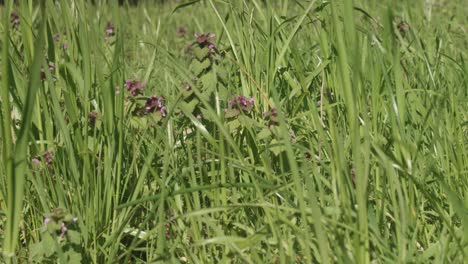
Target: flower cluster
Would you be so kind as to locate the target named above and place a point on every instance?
(155, 104)
(47, 157)
(271, 116)
(206, 40)
(110, 31)
(134, 86)
(241, 103)
(51, 70)
(181, 31)
(58, 221)
(92, 117)
(14, 19)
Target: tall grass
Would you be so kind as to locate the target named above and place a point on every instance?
(363, 161)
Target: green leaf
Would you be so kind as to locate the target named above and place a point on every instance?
(201, 53)
(72, 257)
(198, 67)
(231, 113)
(276, 148)
(74, 237)
(264, 133)
(188, 106)
(233, 125)
(209, 82)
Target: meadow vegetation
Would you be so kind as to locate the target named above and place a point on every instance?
(219, 131)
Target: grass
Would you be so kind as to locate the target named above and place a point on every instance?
(353, 150)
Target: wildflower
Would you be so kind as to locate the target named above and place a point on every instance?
(65, 46)
(241, 103)
(272, 113)
(14, 19)
(56, 37)
(272, 117)
(110, 30)
(48, 157)
(181, 31)
(212, 48)
(46, 221)
(204, 38)
(92, 117)
(155, 104)
(35, 161)
(63, 229)
(51, 67)
(134, 86)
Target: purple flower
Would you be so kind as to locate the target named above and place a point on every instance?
(14, 19)
(46, 221)
(241, 103)
(65, 46)
(272, 117)
(51, 67)
(48, 157)
(92, 117)
(204, 38)
(110, 30)
(35, 161)
(155, 104)
(63, 229)
(151, 103)
(134, 86)
(163, 111)
(181, 31)
(272, 113)
(212, 48)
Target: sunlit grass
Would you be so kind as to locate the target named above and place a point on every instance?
(302, 131)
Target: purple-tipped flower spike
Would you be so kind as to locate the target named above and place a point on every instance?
(63, 229)
(212, 48)
(272, 113)
(14, 19)
(163, 111)
(151, 103)
(134, 86)
(92, 117)
(155, 104)
(51, 67)
(48, 157)
(110, 30)
(181, 31)
(204, 38)
(242, 103)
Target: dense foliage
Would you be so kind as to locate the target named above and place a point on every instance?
(234, 131)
